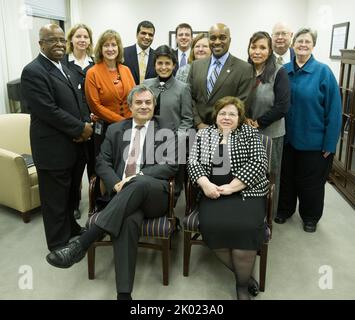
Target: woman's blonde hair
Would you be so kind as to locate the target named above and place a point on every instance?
(108, 35)
(225, 101)
(70, 48)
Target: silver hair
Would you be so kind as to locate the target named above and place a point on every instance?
(312, 32)
(139, 89)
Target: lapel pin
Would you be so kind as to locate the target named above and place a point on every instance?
(228, 71)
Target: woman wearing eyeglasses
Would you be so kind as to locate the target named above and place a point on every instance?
(228, 162)
(108, 84)
(312, 130)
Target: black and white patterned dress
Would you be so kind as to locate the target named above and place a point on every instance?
(235, 221)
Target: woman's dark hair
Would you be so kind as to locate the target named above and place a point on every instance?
(270, 63)
(225, 101)
(165, 51)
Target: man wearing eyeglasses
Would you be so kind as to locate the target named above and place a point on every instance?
(59, 128)
(281, 40)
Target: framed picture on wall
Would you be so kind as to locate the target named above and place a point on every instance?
(172, 37)
(339, 39)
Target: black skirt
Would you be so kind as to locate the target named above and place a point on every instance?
(231, 222)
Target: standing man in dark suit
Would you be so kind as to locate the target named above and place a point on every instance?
(58, 131)
(138, 188)
(183, 34)
(218, 76)
(139, 57)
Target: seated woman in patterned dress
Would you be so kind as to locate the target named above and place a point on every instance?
(229, 163)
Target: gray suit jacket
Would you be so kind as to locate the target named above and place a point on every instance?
(175, 102)
(111, 161)
(235, 79)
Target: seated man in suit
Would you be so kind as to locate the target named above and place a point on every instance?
(218, 76)
(139, 57)
(135, 169)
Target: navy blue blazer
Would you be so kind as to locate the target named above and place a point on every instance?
(131, 61)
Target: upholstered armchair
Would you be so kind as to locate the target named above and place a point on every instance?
(19, 183)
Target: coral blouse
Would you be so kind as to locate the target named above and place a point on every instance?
(107, 96)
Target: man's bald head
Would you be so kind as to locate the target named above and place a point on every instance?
(48, 28)
(220, 27)
(52, 42)
(219, 39)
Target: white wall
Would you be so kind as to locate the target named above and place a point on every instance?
(322, 14)
(243, 17)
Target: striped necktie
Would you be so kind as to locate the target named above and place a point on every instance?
(134, 153)
(280, 60)
(213, 77)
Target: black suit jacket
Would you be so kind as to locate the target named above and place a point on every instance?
(131, 61)
(57, 115)
(78, 76)
(110, 163)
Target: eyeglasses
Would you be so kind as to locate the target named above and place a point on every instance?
(230, 114)
(52, 41)
(282, 34)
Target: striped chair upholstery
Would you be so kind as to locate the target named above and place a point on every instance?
(191, 220)
(157, 228)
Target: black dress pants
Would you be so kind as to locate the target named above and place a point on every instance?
(142, 197)
(58, 191)
(303, 176)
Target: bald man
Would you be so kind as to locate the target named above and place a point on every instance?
(281, 41)
(59, 128)
(218, 76)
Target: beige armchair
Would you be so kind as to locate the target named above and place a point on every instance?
(19, 184)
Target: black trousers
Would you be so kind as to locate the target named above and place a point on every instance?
(303, 176)
(141, 197)
(58, 194)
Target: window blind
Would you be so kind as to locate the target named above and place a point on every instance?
(52, 9)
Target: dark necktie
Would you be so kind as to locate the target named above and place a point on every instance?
(161, 88)
(133, 155)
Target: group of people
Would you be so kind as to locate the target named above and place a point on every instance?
(102, 107)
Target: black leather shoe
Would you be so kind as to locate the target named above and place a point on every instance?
(310, 227)
(66, 256)
(253, 287)
(124, 296)
(280, 220)
(77, 214)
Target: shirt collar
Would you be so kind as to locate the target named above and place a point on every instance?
(87, 60)
(57, 64)
(307, 67)
(222, 59)
(139, 49)
(134, 124)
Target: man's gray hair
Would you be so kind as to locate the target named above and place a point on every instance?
(139, 89)
(312, 32)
